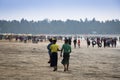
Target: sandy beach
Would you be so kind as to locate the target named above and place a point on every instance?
(28, 61)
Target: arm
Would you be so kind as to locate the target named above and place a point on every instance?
(61, 52)
(48, 46)
(58, 48)
(70, 49)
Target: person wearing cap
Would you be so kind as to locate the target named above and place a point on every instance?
(66, 50)
(54, 54)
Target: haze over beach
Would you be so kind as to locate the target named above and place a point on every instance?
(60, 16)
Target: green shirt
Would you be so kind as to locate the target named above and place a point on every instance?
(66, 48)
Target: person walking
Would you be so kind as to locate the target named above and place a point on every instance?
(54, 54)
(49, 51)
(66, 50)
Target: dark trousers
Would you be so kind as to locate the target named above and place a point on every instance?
(54, 59)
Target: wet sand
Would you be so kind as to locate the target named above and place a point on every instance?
(20, 61)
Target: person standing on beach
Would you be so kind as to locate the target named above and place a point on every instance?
(88, 42)
(69, 40)
(75, 42)
(49, 51)
(54, 54)
(66, 50)
(79, 43)
(93, 43)
(104, 40)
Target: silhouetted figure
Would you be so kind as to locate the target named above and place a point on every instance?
(115, 42)
(69, 41)
(25, 39)
(99, 43)
(88, 42)
(112, 42)
(104, 42)
(108, 41)
(16, 38)
(35, 39)
(93, 43)
(79, 43)
(49, 51)
(75, 42)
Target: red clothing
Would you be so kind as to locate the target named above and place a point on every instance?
(78, 41)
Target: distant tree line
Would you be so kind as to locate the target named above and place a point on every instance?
(61, 27)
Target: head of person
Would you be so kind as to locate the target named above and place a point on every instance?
(50, 39)
(66, 41)
(54, 40)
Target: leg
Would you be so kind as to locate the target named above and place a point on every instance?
(49, 58)
(55, 61)
(67, 67)
(55, 68)
(64, 66)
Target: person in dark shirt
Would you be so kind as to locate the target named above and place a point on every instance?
(75, 42)
(88, 42)
(49, 51)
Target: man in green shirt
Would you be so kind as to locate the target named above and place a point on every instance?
(66, 50)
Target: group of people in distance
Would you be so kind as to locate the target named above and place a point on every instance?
(53, 49)
(75, 41)
(105, 42)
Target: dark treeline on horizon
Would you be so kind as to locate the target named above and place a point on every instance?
(60, 27)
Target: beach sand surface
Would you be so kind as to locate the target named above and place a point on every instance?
(28, 61)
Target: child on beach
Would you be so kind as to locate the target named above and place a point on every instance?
(66, 50)
(54, 54)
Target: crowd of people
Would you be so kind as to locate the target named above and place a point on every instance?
(27, 38)
(94, 41)
(23, 38)
(65, 51)
(102, 42)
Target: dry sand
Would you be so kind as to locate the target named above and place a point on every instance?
(20, 61)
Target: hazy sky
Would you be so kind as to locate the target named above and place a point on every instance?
(59, 9)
